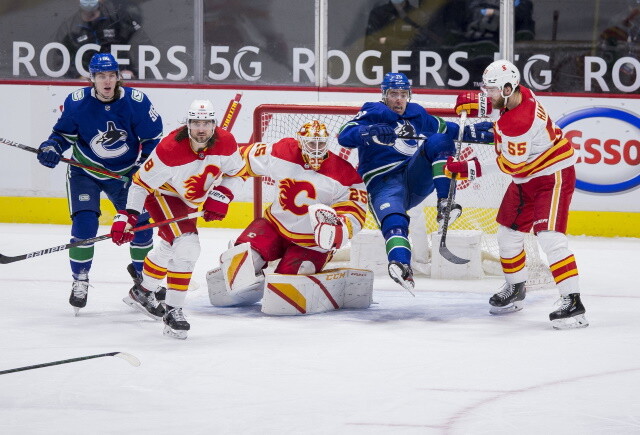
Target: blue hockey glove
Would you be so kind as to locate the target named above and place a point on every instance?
(49, 153)
(478, 132)
(378, 134)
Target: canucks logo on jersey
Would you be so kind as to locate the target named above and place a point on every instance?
(110, 143)
(406, 146)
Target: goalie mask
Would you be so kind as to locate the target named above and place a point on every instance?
(313, 139)
(201, 121)
(498, 75)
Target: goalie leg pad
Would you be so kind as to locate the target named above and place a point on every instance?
(238, 268)
(220, 297)
(290, 295)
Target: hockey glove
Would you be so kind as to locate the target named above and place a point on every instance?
(478, 132)
(474, 103)
(217, 204)
(378, 134)
(465, 169)
(329, 229)
(123, 221)
(49, 153)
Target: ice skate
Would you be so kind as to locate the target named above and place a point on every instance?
(456, 211)
(402, 274)
(175, 324)
(509, 299)
(570, 314)
(79, 293)
(137, 279)
(145, 302)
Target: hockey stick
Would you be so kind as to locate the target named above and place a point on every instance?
(68, 161)
(231, 114)
(125, 356)
(4, 259)
(444, 251)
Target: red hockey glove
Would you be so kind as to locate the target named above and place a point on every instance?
(465, 169)
(475, 104)
(217, 204)
(123, 221)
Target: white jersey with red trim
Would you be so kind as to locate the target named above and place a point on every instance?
(528, 143)
(174, 169)
(336, 184)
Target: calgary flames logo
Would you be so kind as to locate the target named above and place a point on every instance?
(197, 185)
(289, 190)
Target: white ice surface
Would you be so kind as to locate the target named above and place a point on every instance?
(438, 363)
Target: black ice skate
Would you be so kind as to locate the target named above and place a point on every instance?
(570, 314)
(145, 302)
(456, 211)
(137, 279)
(509, 299)
(175, 324)
(79, 293)
(402, 274)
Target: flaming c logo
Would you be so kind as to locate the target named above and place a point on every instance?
(289, 190)
(197, 185)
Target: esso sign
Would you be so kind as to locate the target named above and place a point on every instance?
(608, 141)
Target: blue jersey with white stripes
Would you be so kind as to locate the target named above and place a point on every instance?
(108, 135)
(374, 159)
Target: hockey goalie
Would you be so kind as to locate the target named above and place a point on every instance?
(320, 204)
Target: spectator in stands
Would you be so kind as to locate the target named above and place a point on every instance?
(104, 23)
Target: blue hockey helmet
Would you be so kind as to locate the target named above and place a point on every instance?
(395, 81)
(102, 62)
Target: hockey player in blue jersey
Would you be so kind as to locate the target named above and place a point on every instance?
(401, 173)
(111, 127)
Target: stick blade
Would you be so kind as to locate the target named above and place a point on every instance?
(6, 260)
(128, 358)
(451, 257)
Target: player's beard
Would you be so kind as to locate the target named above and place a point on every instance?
(498, 103)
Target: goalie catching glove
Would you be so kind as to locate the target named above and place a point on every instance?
(123, 222)
(329, 229)
(465, 169)
(216, 206)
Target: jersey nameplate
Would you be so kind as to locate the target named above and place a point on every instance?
(78, 95)
(136, 95)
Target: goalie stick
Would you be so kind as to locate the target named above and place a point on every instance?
(125, 356)
(231, 114)
(4, 259)
(68, 161)
(444, 251)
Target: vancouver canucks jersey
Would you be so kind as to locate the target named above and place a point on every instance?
(108, 135)
(373, 159)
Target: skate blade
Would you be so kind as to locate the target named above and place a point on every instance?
(512, 308)
(133, 304)
(174, 333)
(574, 322)
(396, 275)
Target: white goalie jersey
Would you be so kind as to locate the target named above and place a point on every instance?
(336, 184)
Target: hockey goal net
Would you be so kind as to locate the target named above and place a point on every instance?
(480, 199)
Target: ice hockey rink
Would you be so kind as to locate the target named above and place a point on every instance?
(436, 363)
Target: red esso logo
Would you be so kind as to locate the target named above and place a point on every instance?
(603, 143)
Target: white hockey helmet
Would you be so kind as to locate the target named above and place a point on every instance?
(201, 109)
(313, 138)
(501, 73)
